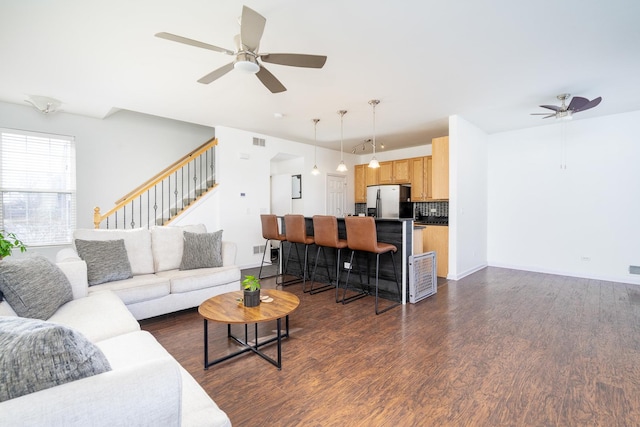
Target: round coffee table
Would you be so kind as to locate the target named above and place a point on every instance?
(228, 308)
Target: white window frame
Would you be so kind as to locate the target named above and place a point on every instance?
(38, 186)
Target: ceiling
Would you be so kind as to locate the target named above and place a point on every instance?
(491, 62)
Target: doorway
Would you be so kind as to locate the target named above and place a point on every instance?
(336, 195)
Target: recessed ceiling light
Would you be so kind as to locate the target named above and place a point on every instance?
(278, 115)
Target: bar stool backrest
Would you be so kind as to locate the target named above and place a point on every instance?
(325, 231)
(361, 233)
(295, 229)
(270, 227)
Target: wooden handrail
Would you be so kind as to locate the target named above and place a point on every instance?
(166, 172)
(141, 189)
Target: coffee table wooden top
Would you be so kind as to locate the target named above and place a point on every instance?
(228, 308)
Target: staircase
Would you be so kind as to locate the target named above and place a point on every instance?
(167, 195)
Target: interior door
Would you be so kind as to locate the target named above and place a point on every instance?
(336, 195)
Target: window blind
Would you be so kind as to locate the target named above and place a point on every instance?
(38, 186)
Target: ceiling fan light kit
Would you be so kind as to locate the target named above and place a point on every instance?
(251, 29)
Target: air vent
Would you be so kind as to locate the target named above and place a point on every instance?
(260, 142)
(258, 249)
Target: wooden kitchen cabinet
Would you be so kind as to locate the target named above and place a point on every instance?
(395, 172)
(420, 179)
(363, 177)
(436, 238)
(440, 173)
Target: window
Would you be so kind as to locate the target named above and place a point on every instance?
(37, 187)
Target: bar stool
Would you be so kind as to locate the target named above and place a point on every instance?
(325, 233)
(362, 237)
(295, 231)
(270, 232)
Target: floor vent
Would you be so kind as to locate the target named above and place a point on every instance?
(634, 269)
(258, 249)
(260, 142)
(422, 276)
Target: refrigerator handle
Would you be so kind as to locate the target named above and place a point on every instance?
(378, 204)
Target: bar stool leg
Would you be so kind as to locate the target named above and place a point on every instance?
(324, 287)
(395, 274)
(352, 298)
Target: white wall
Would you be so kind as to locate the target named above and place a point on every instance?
(579, 221)
(113, 155)
(240, 215)
(467, 198)
(402, 153)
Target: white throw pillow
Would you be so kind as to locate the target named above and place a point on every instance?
(167, 244)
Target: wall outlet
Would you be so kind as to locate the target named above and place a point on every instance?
(433, 210)
(585, 259)
(347, 265)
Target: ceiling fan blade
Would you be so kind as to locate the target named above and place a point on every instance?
(577, 102)
(216, 74)
(589, 104)
(550, 115)
(295, 59)
(270, 81)
(196, 43)
(251, 28)
(552, 107)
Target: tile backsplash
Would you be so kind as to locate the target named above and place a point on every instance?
(439, 208)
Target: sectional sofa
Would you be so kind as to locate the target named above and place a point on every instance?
(74, 355)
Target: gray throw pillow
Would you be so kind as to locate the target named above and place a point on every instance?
(37, 355)
(106, 260)
(34, 286)
(202, 250)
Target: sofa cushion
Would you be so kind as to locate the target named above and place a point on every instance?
(37, 355)
(106, 260)
(137, 242)
(191, 280)
(202, 250)
(167, 244)
(138, 288)
(34, 286)
(99, 316)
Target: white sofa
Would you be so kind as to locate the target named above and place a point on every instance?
(146, 386)
(158, 286)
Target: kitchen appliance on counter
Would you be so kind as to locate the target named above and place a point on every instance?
(389, 201)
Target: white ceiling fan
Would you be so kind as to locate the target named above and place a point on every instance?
(246, 53)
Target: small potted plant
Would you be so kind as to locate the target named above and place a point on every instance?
(251, 286)
(9, 241)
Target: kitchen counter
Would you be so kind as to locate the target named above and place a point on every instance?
(397, 231)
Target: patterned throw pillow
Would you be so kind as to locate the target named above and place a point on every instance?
(34, 286)
(106, 260)
(37, 355)
(202, 250)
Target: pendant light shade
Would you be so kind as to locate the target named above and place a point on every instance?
(342, 167)
(315, 170)
(374, 162)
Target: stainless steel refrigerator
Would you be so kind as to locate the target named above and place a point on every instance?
(389, 201)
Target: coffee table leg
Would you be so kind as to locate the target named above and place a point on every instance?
(206, 345)
(280, 343)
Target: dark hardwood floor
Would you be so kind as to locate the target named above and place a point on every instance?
(497, 348)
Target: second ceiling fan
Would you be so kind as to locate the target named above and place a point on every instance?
(246, 53)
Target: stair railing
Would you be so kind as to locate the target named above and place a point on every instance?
(164, 197)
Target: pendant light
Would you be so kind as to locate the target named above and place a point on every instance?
(374, 162)
(341, 167)
(315, 170)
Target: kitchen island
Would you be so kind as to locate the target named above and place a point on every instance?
(398, 232)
